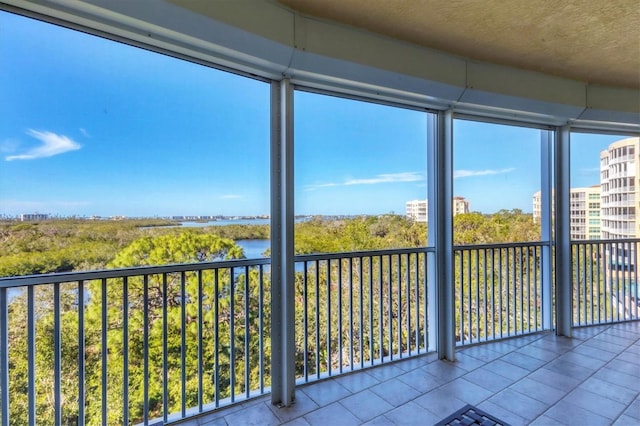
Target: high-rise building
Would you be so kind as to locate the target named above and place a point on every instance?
(417, 210)
(619, 178)
(620, 182)
(584, 213)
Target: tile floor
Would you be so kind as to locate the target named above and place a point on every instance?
(591, 379)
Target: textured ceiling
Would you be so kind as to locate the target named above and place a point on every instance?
(595, 41)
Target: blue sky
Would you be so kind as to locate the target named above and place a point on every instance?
(93, 127)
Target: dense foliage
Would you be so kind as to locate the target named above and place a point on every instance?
(74, 245)
(211, 304)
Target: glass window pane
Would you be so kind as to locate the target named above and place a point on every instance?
(497, 172)
(357, 165)
(604, 167)
(94, 130)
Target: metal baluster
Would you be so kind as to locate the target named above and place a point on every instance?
(389, 306)
(4, 357)
(350, 313)
(340, 313)
(590, 278)
(426, 303)
(618, 280)
(216, 335)
(57, 356)
(31, 353)
(460, 258)
(305, 323)
(470, 285)
(371, 356)
(599, 282)
(232, 333)
(103, 340)
(635, 279)
(165, 351)
(417, 300)
(477, 288)
(625, 275)
(317, 302)
(582, 261)
(145, 348)
(528, 281)
(247, 331)
(81, 355)
(492, 287)
(200, 344)
(381, 308)
(500, 289)
(409, 302)
(261, 326)
(399, 265)
(521, 286)
(329, 316)
(485, 294)
(609, 278)
(125, 349)
(536, 256)
(183, 344)
(510, 278)
(361, 315)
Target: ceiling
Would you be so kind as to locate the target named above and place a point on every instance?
(593, 41)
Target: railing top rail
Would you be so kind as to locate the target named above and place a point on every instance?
(500, 245)
(364, 253)
(607, 241)
(64, 277)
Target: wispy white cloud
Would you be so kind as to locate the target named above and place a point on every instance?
(84, 132)
(382, 178)
(230, 196)
(471, 173)
(52, 144)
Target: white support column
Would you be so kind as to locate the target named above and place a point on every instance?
(432, 260)
(546, 225)
(564, 287)
(440, 191)
(282, 261)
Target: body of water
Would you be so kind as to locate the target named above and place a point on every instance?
(254, 248)
(224, 222)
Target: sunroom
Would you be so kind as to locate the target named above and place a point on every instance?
(538, 329)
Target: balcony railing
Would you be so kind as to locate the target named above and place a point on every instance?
(128, 345)
(360, 309)
(605, 281)
(133, 345)
(499, 291)
(168, 342)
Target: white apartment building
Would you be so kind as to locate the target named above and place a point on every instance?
(619, 179)
(460, 205)
(585, 212)
(32, 217)
(417, 210)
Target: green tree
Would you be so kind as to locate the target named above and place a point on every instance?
(212, 300)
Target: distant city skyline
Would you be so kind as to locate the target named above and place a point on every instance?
(92, 127)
